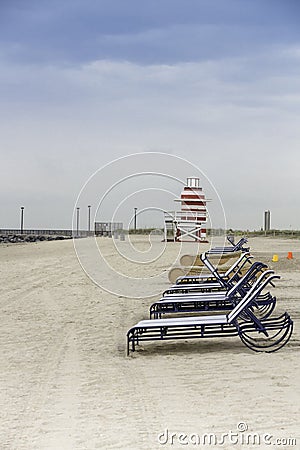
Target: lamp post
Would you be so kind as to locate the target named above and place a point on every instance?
(77, 221)
(22, 219)
(135, 210)
(89, 218)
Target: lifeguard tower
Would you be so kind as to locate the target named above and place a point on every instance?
(188, 224)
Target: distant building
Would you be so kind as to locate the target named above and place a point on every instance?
(267, 223)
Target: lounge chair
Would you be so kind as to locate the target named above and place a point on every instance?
(235, 270)
(238, 269)
(221, 254)
(191, 263)
(233, 248)
(260, 335)
(199, 297)
(218, 283)
(219, 258)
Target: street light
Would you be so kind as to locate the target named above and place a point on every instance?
(22, 219)
(89, 218)
(135, 210)
(77, 221)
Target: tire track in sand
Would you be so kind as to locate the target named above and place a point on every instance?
(42, 425)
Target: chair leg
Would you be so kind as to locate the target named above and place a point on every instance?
(279, 332)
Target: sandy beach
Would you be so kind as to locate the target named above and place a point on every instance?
(67, 384)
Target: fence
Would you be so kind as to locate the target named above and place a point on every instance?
(70, 233)
(107, 228)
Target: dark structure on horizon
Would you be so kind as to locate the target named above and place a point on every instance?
(107, 228)
(267, 223)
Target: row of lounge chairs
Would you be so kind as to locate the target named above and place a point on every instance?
(239, 294)
(189, 265)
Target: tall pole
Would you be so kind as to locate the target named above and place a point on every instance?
(22, 219)
(135, 210)
(89, 218)
(77, 221)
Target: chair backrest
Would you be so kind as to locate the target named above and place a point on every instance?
(245, 257)
(257, 287)
(213, 269)
(234, 248)
(228, 284)
(230, 239)
(239, 245)
(252, 273)
(242, 285)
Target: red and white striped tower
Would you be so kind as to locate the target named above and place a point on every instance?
(190, 221)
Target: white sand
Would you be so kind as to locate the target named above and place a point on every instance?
(65, 380)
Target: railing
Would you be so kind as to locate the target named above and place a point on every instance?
(11, 231)
(176, 216)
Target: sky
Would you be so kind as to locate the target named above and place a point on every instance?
(85, 82)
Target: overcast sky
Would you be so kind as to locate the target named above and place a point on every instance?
(83, 82)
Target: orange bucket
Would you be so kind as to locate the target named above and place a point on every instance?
(290, 255)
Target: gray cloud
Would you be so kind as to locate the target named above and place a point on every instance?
(151, 32)
(234, 115)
